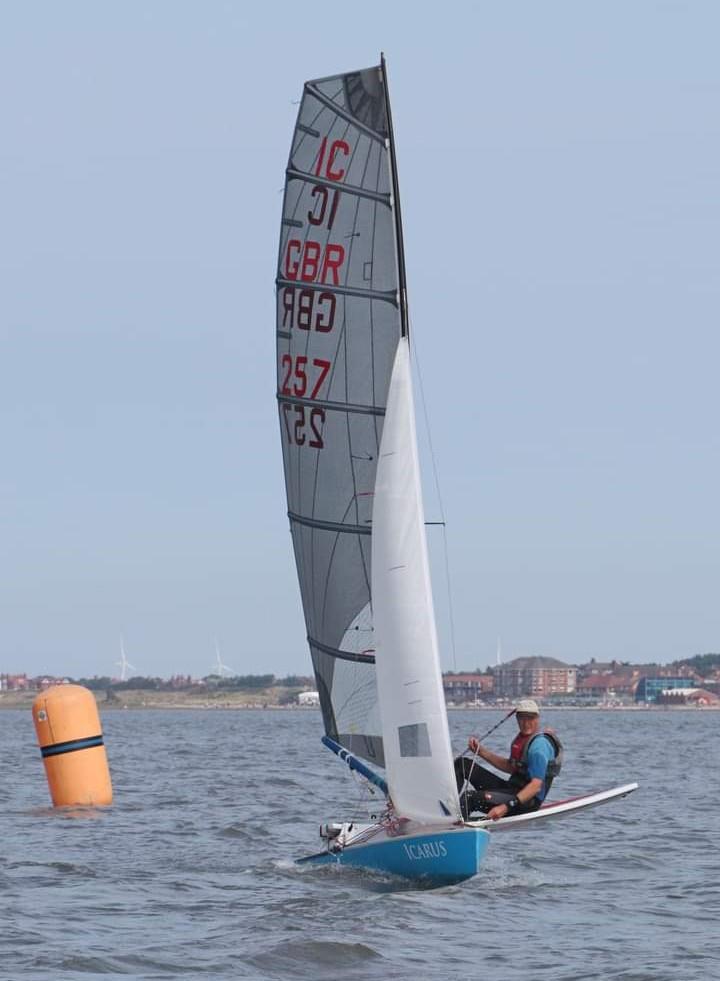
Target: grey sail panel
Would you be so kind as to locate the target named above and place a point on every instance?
(338, 326)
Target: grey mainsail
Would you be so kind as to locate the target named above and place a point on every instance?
(340, 315)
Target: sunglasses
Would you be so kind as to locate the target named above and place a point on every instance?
(523, 716)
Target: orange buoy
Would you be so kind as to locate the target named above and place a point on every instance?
(68, 729)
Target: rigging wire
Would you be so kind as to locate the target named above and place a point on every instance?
(451, 615)
(367, 797)
(476, 753)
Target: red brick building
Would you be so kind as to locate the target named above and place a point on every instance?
(606, 686)
(537, 677)
(473, 688)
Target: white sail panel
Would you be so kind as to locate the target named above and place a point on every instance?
(416, 741)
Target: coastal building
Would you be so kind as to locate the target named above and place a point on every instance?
(650, 689)
(607, 687)
(308, 698)
(15, 682)
(537, 677)
(593, 668)
(48, 681)
(473, 688)
(712, 681)
(697, 697)
(21, 682)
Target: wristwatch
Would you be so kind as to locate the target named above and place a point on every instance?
(512, 803)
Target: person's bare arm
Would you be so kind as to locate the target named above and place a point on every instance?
(499, 762)
(523, 795)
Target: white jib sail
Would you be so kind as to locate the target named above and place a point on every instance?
(418, 755)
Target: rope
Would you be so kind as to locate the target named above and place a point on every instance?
(436, 479)
(497, 725)
(366, 793)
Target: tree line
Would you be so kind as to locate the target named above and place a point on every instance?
(186, 683)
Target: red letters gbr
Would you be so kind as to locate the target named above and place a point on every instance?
(309, 261)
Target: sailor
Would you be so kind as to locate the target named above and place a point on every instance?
(534, 761)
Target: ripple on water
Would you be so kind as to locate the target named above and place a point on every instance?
(192, 871)
(320, 958)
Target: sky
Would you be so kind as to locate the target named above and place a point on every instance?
(559, 168)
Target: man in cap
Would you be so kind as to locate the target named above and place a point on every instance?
(533, 763)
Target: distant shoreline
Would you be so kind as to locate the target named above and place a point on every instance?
(276, 699)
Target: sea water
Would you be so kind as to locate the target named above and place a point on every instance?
(190, 873)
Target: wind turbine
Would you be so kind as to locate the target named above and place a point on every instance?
(218, 666)
(123, 663)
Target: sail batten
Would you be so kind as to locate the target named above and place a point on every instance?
(385, 296)
(335, 526)
(358, 192)
(343, 655)
(330, 406)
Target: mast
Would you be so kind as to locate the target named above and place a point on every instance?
(402, 281)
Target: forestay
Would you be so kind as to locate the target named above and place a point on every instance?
(338, 326)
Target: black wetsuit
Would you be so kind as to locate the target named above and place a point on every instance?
(487, 789)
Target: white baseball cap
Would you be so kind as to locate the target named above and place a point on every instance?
(527, 705)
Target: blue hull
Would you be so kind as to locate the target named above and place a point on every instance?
(441, 858)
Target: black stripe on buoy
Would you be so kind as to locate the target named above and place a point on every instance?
(72, 745)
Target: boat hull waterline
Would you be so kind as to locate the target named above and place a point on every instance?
(447, 856)
(437, 858)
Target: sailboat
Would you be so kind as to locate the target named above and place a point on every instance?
(352, 476)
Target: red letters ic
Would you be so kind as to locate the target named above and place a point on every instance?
(337, 148)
